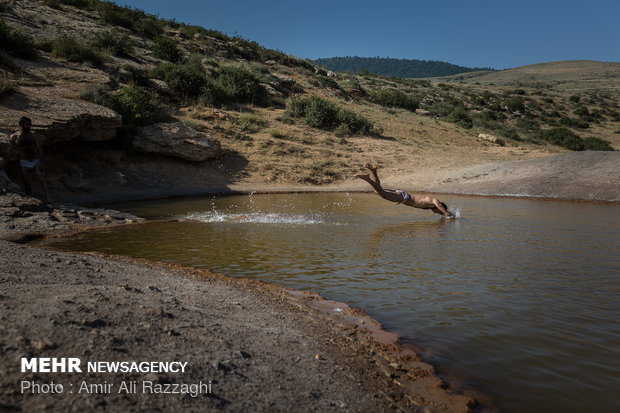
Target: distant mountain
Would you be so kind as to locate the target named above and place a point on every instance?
(386, 66)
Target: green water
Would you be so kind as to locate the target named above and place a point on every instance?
(519, 299)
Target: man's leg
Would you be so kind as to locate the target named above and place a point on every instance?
(46, 192)
(27, 179)
(373, 170)
(388, 195)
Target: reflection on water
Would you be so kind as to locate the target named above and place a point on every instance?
(519, 297)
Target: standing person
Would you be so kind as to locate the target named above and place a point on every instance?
(26, 146)
(401, 196)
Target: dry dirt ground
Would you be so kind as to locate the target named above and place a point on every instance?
(260, 347)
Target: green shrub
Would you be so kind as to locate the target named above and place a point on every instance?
(6, 8)
(354, 123)
(395, 98)
(296, 107)
(240, 86)
(614, 115)
(574, 99)
(515, 104)
(211, 94)
(133, 19)
(115, 15)
(597, 144)
(75, 51)
(55, 4)
(574, 123)
(135, 106)
(323, 114)
(166, 49)
(441, 109)
(189, 79)
(563, 137)
(250, 123)
(150, 26)
(97, 94)
(460, 116)
(6, 86)
(16, 43)
(509, 133)
(116, 44)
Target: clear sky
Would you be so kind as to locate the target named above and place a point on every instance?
(476, 33)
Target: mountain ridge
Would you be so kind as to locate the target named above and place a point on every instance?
(399, 68)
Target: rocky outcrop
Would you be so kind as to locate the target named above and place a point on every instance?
(285, 85)
(58, 119)
(23, 218)
(492, 139)
(177, 140)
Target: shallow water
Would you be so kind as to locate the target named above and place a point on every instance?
(519, 298)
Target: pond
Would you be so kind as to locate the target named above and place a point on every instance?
(518, 298)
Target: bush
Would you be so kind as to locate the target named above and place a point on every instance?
(189, 79)
(116, 44)
(97, 94)
(296, 107)
(323, 114)
(460, 116)
(135, 106)
(211, 94)
(133, 19)
(515, 104)
(597, 144)
(250, 123)
(441, 109)
(6, 86)
(150, 26)
(395, 98)
(574, 123)
(75, 51)
(166, 49)
(55, 4)
(239, 85)
(563, 137)
(16, 43)
(354, 123)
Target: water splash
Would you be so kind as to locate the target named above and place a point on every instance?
(254, 218)
(456, 212)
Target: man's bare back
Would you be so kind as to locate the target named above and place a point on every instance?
(401, 196)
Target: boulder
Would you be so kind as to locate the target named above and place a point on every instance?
(491, 138)
(285, 85)
(422, 112)
(58, 119)
(356, 93)
(177, 140)
(162, 87)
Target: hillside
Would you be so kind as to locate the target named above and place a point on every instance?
(569, 76)
(133, 106)
(385, 66)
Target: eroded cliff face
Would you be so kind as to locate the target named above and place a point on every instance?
(84, 158)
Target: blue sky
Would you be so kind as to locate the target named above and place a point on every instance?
(497, 34)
